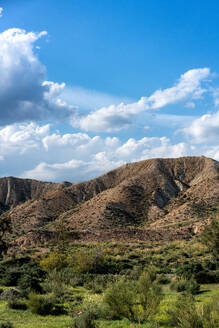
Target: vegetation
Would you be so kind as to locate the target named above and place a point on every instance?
(210, 237)
(123, 285)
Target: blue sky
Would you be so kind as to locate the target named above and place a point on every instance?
(87, 86)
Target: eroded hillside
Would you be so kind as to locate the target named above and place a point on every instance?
(157, 199)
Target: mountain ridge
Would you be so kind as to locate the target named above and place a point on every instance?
(153, 199)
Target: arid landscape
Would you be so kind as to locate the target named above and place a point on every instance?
(152, 200)
(109, 164)
(84, 252)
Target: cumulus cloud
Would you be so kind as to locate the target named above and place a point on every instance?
(33, 151)
(204, 129)
(30, 150)
(24, 94)
(116, 117)
(104, 158)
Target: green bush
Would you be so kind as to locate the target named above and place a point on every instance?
(206, 277)
(98, 283)
(188, 270)
(120, 297)
(178, 285)
(55, 261)
(185, 313)
(44, 305)
(150, 294)
(210, 313)
(163, 279)
(191, 286)
(6, 324)
(83, 321)
(89, 261)
(23, 273)
(16, 304)
(134, 300)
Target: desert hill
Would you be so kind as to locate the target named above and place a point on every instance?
(156, 199)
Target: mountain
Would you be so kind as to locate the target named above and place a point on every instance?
(151, 200)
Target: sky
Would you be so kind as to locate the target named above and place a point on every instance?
(87, 86)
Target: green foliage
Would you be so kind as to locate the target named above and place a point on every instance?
(16, 304)
(210, 313)
(6, 324)
(150, 294)
(55, 261)
(191, 286)
(185, 313)
(121, 299)
(210, 237)
(5, 227)
(188, 270)
(135, 300)
(163, 279)
(99, 282)
(23, 273)
(83, 321)
(89, 261)
(207, 277)
(44, 305)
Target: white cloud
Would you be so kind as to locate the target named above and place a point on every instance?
(204, 129)
(188, 86)
(105, 158)
(116, 117)
(33, 151)
(24, 94)
(1, 11)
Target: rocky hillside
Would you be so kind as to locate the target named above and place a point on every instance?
(157, 199)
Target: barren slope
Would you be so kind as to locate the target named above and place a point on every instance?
(150, 200)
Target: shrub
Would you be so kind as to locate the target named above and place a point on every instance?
(185, 313)
(178, 285)
(55, 261)
(98, 283)
(210, 237)
(188, 270)
(206, 277)
(150, 294)
(120, 297)
(210, 313)
(16, 304)
(23, 273)
(134, 300)
(191, 286)
(6, 324)
(89, 261)
(83, 321)
(163, 279)
(44, 304)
